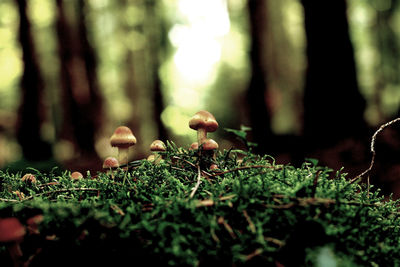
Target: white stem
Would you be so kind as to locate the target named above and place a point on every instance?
(201, 135)
(123, 155)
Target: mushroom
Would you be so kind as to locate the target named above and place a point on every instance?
(209, 145)
(123, 138)
(29, 177)
(208, 148)
(12, 233)
(33, 223)
(194, 146)
(203, 122)
(76, 176)
(110, 164)
(156, 146)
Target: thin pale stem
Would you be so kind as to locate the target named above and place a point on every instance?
(123, 155)
(201, 135)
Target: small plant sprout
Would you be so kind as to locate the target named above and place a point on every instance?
(123, 138)
(76, 175)
(109, 165)
(29, 178)
(12, 233)
(156, 146)
(203, 122)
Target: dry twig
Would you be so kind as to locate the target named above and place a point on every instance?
(373, 149)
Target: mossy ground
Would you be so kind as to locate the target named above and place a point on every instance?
(247, 212)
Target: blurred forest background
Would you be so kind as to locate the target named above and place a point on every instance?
(311, 78)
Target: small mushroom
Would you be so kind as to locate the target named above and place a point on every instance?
(33, 223)
(76, 175)
(110, 164)
(209, 146)
(156, 146)
(203, 122)
(194, 146)
(29, 177)
(12, 233)
(123, 138)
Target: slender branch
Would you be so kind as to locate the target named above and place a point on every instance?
(198, 182)
(8, 200)
(381, 128)
(245, 168)
(61, 191)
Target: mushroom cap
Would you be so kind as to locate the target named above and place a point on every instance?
(203, 119)
(122, 137)
(11, 230)
(158, 145)
(151, 157)
(194, 146)
(76, 175)
(29, 177)
(110, 162)
(210, 144)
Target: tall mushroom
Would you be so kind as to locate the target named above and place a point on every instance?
(203, 122)
(123, 138)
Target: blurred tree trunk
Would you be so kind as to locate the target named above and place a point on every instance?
(259, 114)
(82, 102)
(31, 112)
(333, 105)
(155, 36)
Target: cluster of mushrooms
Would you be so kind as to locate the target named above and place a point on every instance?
(123, 138)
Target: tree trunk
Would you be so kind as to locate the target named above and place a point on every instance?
(259, 114)
(81, 99)
(82, 103)
(31, 111)
(154, 33)
(333, 105)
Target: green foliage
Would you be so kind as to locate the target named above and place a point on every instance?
(179, 212)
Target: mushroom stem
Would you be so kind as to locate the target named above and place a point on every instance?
(110, 172)
(15, 252)
(123, 155)
(201, 135)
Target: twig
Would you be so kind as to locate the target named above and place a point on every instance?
(315, 183)
(251, 224)
(373, 149)
(61, 191)
(198, 182)
(191, 164)
(8, 200)
(246, 167)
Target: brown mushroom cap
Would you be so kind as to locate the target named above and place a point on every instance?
(210, 144)
(29, 177)
(194, 146)
(110, 162)
(76, 175)
(11, 230)
(122, 137)
(203, 119)
(158, 145)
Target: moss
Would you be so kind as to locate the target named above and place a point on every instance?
(247, 212)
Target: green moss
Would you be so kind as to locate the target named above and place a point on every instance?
(244, 213)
